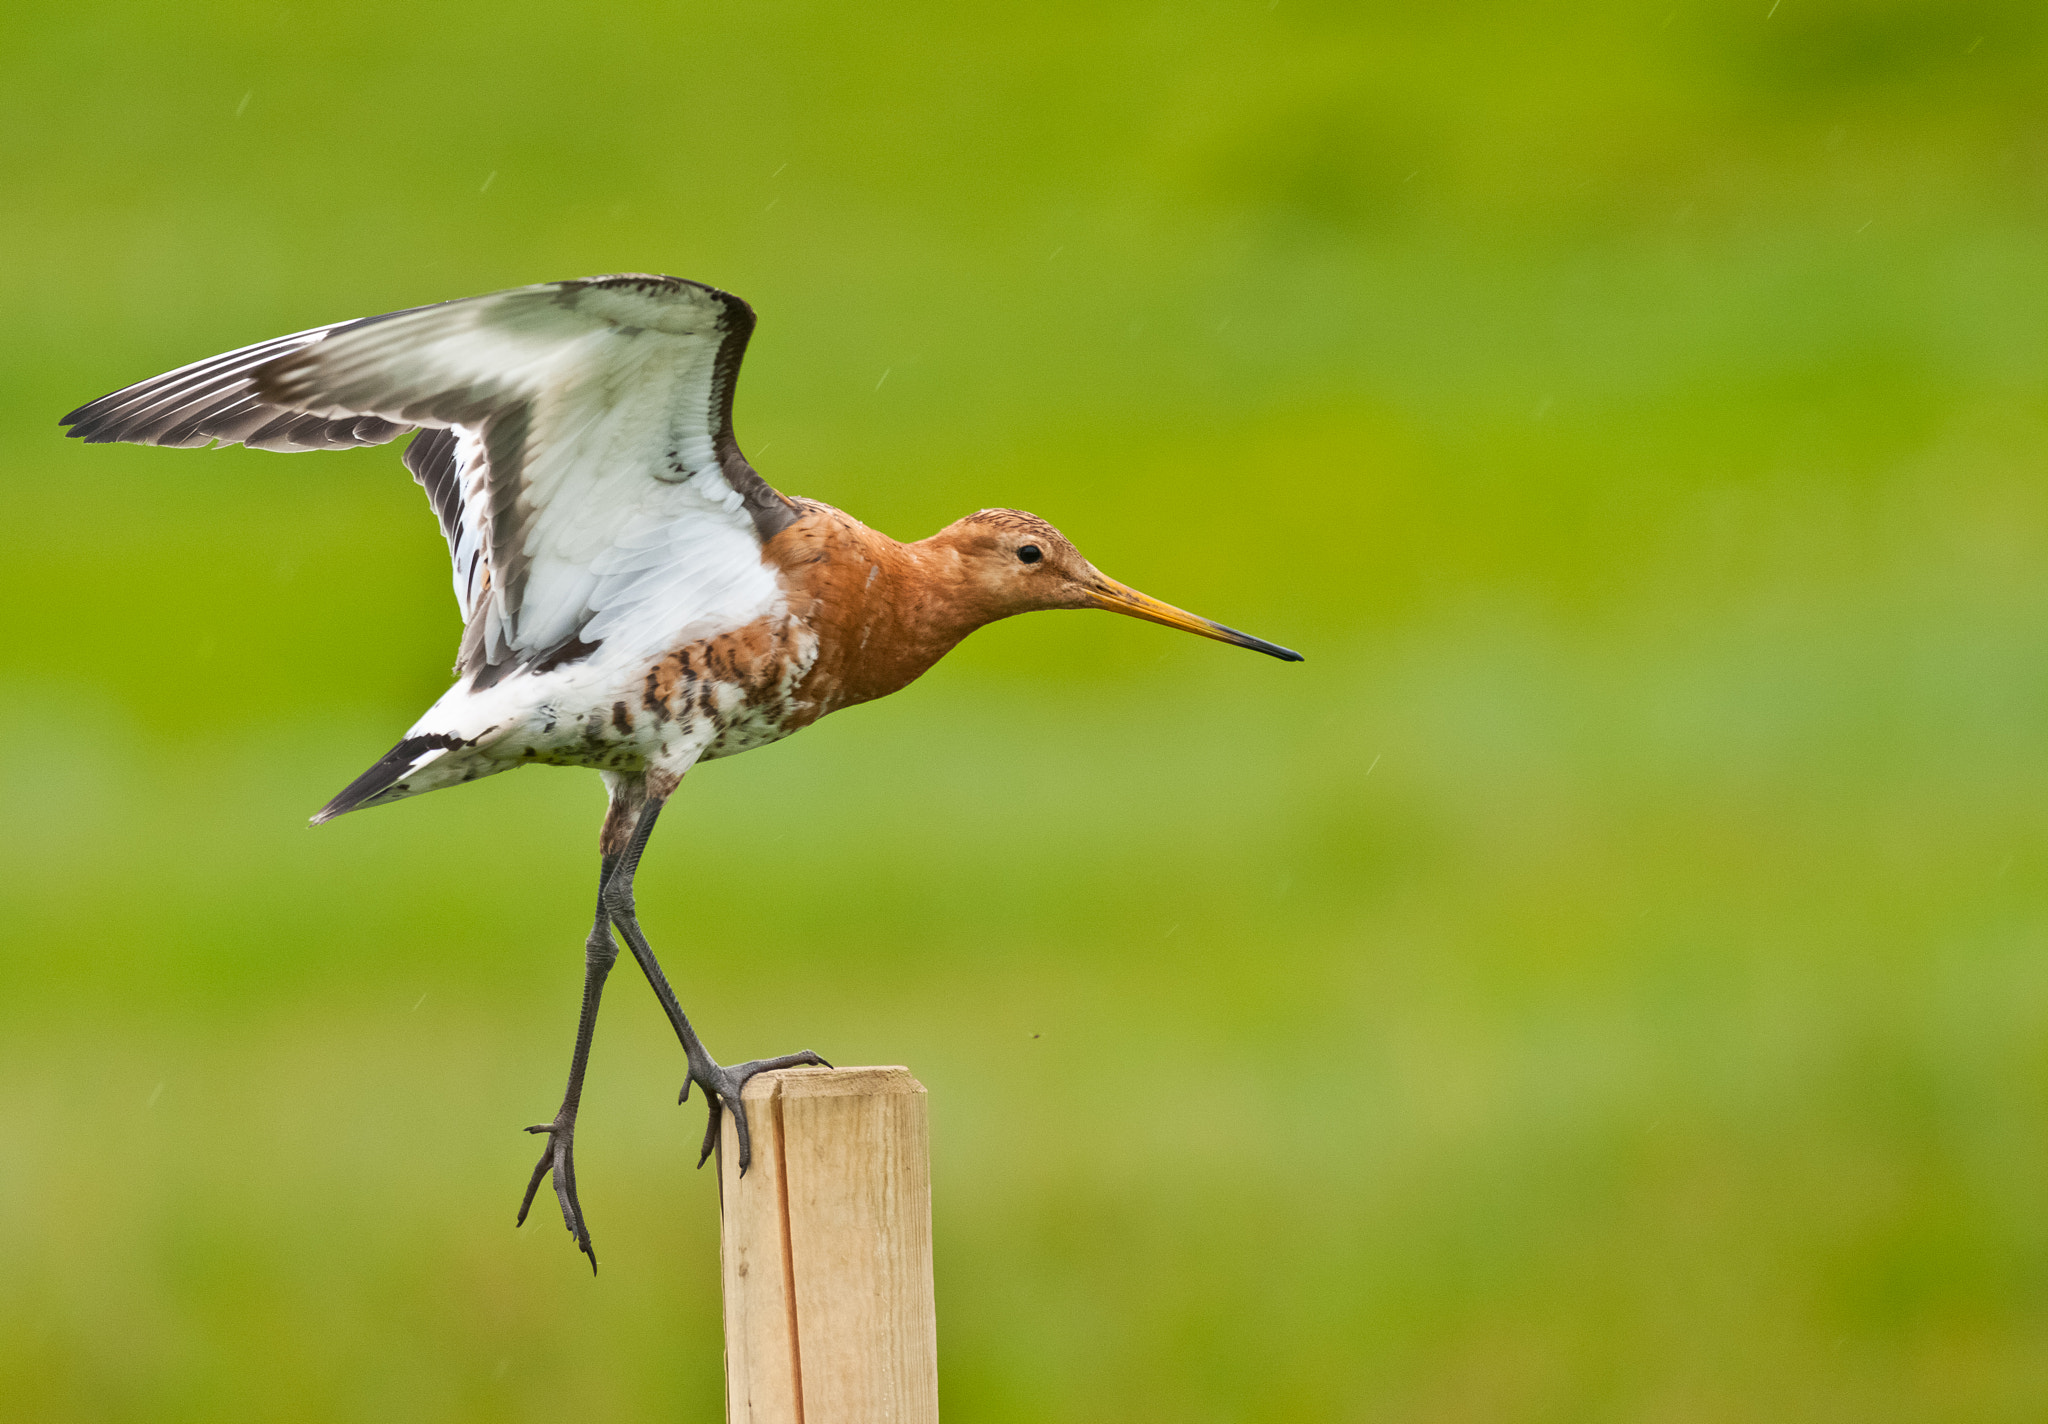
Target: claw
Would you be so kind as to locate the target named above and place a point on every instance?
(532, 1186)
(739, 1128)
(710, 1135)
(559, 1157)
(722, 1089)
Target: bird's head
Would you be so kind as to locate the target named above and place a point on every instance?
(1015, 562)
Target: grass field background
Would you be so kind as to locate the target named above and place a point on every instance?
(1607, 981)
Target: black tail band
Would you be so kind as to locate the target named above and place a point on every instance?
(388, 772)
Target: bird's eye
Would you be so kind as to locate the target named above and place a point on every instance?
(1030, 553)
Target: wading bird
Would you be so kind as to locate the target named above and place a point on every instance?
(635, 598)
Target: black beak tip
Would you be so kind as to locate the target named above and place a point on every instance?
(1260, 645)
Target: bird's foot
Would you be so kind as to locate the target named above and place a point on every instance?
(559, 1157)
(722, 1092)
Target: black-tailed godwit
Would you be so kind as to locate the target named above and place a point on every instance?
(635, 598)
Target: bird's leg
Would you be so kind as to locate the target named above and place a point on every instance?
(559, 1156)
(721, 1085)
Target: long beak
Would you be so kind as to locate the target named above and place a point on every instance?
(1120, 598)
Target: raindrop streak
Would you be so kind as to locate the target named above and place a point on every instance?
(417, 1002)
(771, 203)
(885, 376)
(1375, 762)
(778, 172)
(155, 1093)
(488, 181)
(245, 103)
(1774, 8)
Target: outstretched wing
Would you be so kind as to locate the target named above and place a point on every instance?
(577, 449)
(213, 400)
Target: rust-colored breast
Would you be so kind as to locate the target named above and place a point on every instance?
(883, 612)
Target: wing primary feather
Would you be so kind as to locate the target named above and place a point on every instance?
(578, 451)
(214, 400)
(431, 458)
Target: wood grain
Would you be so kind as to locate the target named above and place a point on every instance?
(826, 1252)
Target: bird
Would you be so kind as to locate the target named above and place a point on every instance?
(636, 598)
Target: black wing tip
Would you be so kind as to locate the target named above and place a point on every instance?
(94, 430)
(89, 423)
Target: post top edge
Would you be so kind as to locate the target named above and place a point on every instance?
(886, 1080)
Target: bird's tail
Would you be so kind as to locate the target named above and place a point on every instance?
(419, 763)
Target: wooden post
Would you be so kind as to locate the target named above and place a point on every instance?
(826, 1249)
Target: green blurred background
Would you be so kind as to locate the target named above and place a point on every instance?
(1605, 982)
